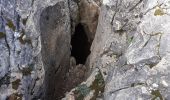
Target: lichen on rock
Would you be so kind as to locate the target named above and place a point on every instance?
(159, 12)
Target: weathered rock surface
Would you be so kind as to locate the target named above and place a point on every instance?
(131, 49)
(35, 47)
(89, 12)
(129, 57)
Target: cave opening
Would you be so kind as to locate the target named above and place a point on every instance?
(80, 45)
(61, 73)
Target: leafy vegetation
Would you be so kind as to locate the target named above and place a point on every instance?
(81, 91)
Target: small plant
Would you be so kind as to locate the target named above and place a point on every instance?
(81, 91)
(98, 85)
(156, 95)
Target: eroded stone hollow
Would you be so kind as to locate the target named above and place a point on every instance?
(80, 45)
(59, 48)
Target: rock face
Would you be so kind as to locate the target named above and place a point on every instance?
(36, 47)
(137, 65)
(21, 71)
(131, 50)
(89, 12)
(129, 57)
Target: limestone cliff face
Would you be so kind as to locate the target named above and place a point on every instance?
(128, 60)
(131, 52)
(36, 47)
(131, 47)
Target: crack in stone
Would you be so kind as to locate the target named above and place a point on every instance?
(132, 85)
(158, 46)
(7, 44)
(115, 12)
(119, 89)
(144, 45)
(152, 8)
(131, 9)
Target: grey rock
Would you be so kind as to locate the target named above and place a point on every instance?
(129, 57)
(26, 26)
(131, 49)
(144, 68)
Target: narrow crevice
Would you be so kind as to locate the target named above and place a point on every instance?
(64, 68)
(80, 45)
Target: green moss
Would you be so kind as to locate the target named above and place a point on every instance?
(81, 91)
(97, 85)
(2, 34)
(15, 84)
(156, 95)
(159, 12)
(11, 25)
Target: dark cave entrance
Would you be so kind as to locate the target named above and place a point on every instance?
(80, 45)
(60, 75)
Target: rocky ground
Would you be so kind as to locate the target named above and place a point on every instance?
(84, 50)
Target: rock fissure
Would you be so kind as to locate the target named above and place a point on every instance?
(119, 90)
(80, 45)
(65, 53)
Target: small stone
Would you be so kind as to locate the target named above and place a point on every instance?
(155, 85)
(164, 83)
